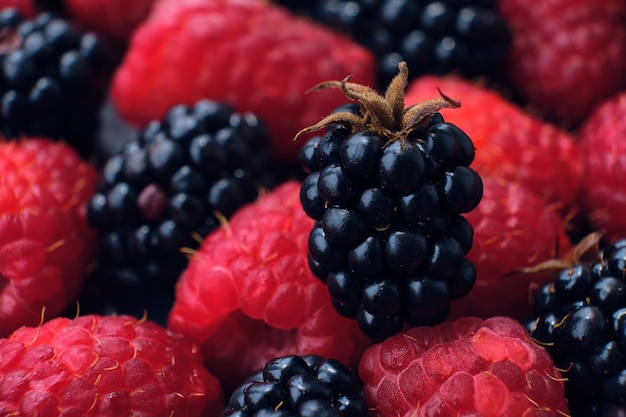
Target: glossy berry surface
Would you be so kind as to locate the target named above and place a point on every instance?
(390, 238)
(581, 317)
(303, 386)
(167, 189)
(52, 79)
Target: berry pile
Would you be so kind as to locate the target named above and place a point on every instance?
(387, 188)
(268, 208)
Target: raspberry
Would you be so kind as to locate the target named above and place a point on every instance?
(566, 56)
(511, 144)
(52, 80)
(46, 244)
(104, 366)
(165, 191)
(250, 53)
(248, 295)
(431, 36)
(601, 141)
(581, 320)
(466, 367)
(115, 19)
(387, 189)
(304, 386)
(513, 229)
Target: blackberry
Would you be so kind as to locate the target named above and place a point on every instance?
(581, 321)
(53, 78)
(432, 36)
(299, 386)
(164, 191)
(387, 188)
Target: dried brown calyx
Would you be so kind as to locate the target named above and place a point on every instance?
(384, 114)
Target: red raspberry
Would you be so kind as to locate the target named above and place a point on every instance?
(116, 19)
(513, 229)
(46, 244)
(601, 139)
(248, 294)
(510, 143)
(468, 367)
(104, 366)
(250, 53)
(566, 55)
(25, 7)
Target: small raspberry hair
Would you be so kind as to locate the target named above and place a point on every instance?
(250, 53)
(110, 366)
(46, 245)
(248, 294)
(466, 367)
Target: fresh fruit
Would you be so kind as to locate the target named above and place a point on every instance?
(431, 36)
(52, 80)
(566, 56)
(166, 190)
(601, 140)
(249, 53)
(24, 7)
(513, 229)
(248, 295)
(581, 320)
(511, 144)
(305, 386)
(387, 188)
(104, 366)
(115, 19)
(46, 245)
(468, 367)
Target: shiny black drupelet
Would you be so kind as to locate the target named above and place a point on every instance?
(165, 191)
(299, 386)
(53, 79)
(432, 36)
(390, 238)
(581, 321)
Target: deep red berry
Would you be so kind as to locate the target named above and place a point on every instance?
(513, 229)
(468, 367)
(511, 144)
(116, 19)
(110, 366)
(248, 294)
(46, 244)
(601, 140)
(566, 56)
(249, 53)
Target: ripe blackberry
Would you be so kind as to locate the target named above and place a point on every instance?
(53, 78)
(581, 320)
(432, 36)
(387, 187)
(299, 386)
(168, 189)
